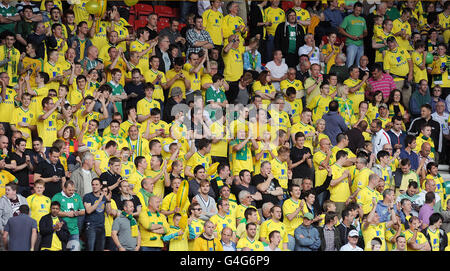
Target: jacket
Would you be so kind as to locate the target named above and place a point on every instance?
(443, 240)
(6, 212)
(204, 244)
(46, 231)
(281, 39)
(311, 240)
(77, 178)
(337, 239)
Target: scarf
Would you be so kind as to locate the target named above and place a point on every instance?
(133, 224)
(136, 150)
(146, 195)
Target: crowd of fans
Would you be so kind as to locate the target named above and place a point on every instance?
(306, 126)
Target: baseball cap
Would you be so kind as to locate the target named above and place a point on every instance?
(176, 91)
(309, 216)
(353, 233)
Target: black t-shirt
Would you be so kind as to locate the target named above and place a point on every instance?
(109, 179)
(120, 202)
(302, 170)
(274, 184)
(235, 189)
(47, 170)
(21, 175)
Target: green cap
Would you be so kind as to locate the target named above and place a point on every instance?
(309, 216)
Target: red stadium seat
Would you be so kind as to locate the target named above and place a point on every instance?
(163, 23)
(165, 11)
(181, 26)
(143, 10)
(285, 5)
(140, 23)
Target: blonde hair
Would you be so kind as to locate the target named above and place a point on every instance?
(340, 90)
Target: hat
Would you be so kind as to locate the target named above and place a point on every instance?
(176, 91)
(383, 105)
(391, 39)
(309, 216)
(353, 233)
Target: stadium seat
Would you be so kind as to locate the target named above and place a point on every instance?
(181, 26)
(285, 5)
(163, 23)
(165, 11)
(140, 23)
(143, 10)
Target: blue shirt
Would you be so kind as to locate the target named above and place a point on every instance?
(19, 229)
(97, 217)
(413, 158)
(335, 17)
(335, 124)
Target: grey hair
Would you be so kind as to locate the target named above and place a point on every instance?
(342, 57)
(266, 205)
(243, 194)
(86, 156)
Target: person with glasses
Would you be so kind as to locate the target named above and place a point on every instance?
(194, 211)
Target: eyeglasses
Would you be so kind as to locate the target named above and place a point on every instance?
(197, 209)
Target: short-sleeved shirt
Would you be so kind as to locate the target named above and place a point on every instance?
(123, 228)
(74, 203)
(354, 26)
(20, 229)
(97, 217)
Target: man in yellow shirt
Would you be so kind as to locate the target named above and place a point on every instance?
(250, 241)
(272, 224)
(213, 21)
(38, 203)
(46, 121)
(177, 77)
(142, 46)
(145, 105)
(157, 78)
(339, 186)
(24, 119)
(223, 219)
(153, 225)
(234, 25)
(233, 59)
(200, 157)
(402, 29)
(372, 227)
(397, 62)
(368, 193)
(10, 53)
(305, 127)
(356, 87)
(274, 16)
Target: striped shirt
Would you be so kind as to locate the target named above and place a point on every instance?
(386, 84)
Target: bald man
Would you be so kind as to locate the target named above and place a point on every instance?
(424, 159)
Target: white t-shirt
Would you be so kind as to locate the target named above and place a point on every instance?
(277, 71)
(348, 247)
(315, 57)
